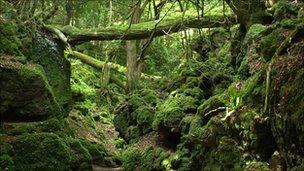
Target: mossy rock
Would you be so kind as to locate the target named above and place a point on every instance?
(270, 43)
(80, 156)
(169, 113)
(148, 159)
(288, 123)
(136, 113)
(44, 151)
(207, 135)
(50, 55)
(60, 127)
(285, 9)
(25, 92)
(227, 156)
(100, 156)
(47, 151)
(211, 104)
(152, 158)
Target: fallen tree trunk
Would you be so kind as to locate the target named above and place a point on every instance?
(86, 59)
(96, 63)
(100, 65)
(146, 29)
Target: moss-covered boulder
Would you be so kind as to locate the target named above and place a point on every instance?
(41, 152)
(227, 156)
(50, 55)
(25, 92)
(170, 112)
(150, 159)
(135, 115)
(48, 151)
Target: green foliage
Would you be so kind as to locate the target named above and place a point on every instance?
(177, 161)
(212, 103)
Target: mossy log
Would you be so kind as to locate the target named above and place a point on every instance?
(96, 63)
(146, 29)
(100, 65)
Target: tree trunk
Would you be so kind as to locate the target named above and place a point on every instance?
(69, 12)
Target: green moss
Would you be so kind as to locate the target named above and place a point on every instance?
(270, 43)
(136, 115)
(22, 82)
(57, 69)
(10, 43)
(227, 156)
(6, 162)
(6, 148)
(98, 153)
(285, 9)
(254, 31)
(255, 165)
(58, 126)
(144, 117)
(212, 103)
(170, 112)
(130, 159)
(152, 158)
(43, 151)
(178, 160)
(80, 156)
(133, 133)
